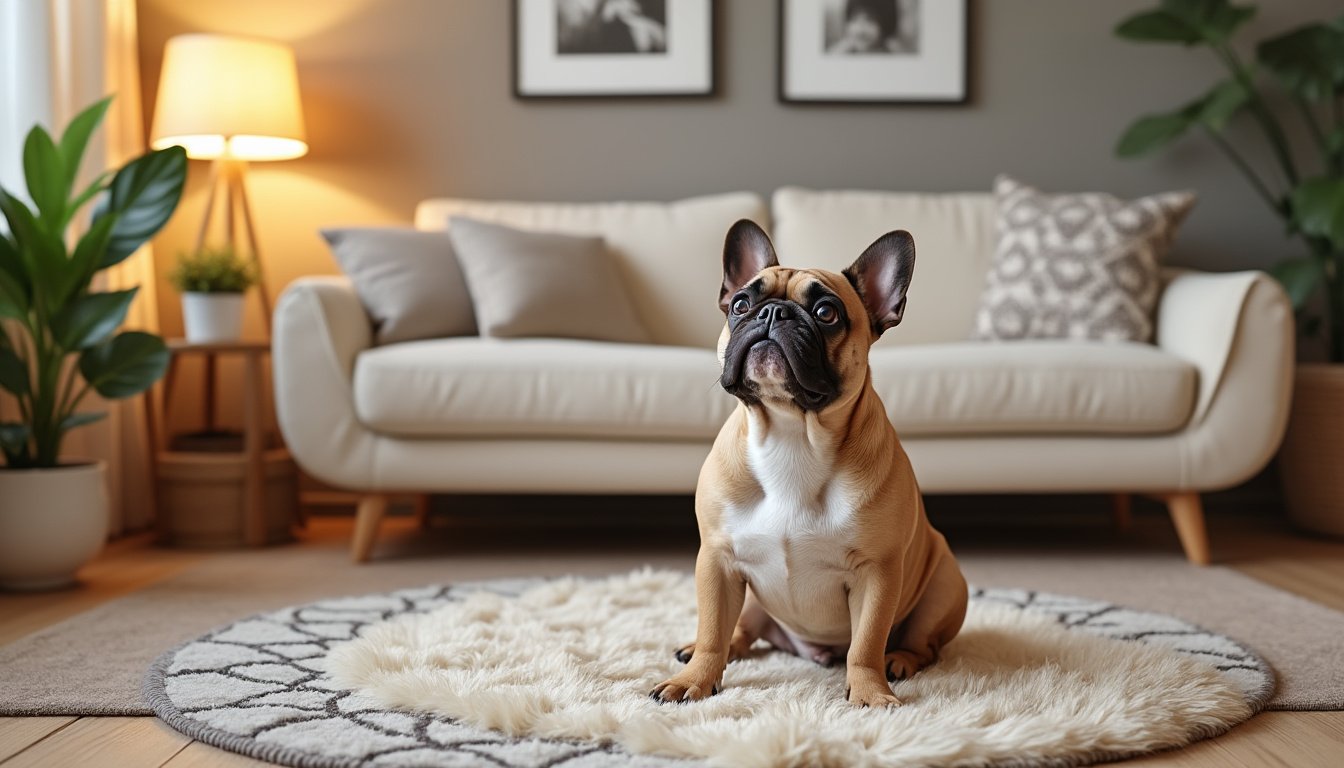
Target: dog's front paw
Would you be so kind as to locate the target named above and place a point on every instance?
(683, 688)
(736, 651)
(870, 691)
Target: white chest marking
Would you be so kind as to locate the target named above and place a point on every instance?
(793, 544)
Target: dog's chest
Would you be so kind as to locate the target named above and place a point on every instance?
(793, 545)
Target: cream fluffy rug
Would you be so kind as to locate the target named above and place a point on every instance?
(575, 660)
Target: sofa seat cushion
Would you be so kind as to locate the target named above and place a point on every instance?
(474, 387)
(1033, 387)
(540, 387)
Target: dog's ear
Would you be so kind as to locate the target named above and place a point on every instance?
(881, 275)
(746, 251)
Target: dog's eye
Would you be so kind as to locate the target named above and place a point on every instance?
(825, 313)
(741, 306)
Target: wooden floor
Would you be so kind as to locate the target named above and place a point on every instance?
(1256, 546)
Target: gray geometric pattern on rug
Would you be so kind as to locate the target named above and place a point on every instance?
(1076, 266)
(258, 686)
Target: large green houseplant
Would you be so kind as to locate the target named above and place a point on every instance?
(1303, 69)
(60, 337)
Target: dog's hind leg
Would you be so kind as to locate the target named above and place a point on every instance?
(752, 624)
(915, 641)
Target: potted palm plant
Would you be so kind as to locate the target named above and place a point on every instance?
(212, 282)
(1306, 65)
(60, 341)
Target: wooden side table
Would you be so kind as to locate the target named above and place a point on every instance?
(258, 463)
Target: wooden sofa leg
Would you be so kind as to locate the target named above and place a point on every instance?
(368, 515)
(1121, 517)
(1187, 514)
(420, 507)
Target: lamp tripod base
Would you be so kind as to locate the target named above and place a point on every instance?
(228, 174)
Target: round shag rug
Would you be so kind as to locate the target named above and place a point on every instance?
(557, 673)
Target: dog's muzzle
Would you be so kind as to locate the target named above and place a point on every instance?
(811, 381)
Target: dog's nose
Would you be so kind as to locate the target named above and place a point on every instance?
(770, 313)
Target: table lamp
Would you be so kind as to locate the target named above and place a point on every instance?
(231, 100)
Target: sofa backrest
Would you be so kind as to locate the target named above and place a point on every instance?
(670, 254)
(954, 242)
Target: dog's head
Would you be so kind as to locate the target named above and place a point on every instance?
(801, 336)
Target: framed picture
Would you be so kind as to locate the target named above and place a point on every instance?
(873, 51)
(604, 48)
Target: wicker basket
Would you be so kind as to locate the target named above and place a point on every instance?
(1311, 462)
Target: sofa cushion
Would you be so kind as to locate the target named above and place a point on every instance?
(409, 281)
(543, 284)
(670, 255)
(477, 387)
(1076, 266)
(954, 240)
(1034, 387)
(541, 387)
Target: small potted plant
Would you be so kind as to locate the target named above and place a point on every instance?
(1306, 67)
(212, 282)
(60, 341)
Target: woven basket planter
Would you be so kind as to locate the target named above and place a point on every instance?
(1311, 462)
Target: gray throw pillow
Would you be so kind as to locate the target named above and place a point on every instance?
(1076, 266)
(526, 283)
(408, 281)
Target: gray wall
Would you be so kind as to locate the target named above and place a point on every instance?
(412, 98)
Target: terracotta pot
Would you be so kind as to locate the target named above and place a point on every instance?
(52, 521)
(1311, 461)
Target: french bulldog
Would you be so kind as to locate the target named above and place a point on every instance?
(813, 534)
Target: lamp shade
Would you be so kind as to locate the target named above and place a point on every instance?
(224, 96)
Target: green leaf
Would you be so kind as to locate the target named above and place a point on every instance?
(13, 373)
(1308, 61)
(13, 299)
(91, 250)
(1186, 21)
(143, 194)
(1157, 27)
(13, 282)
(91, 318)
(1300, 278)
(1318, 208)
(80, 419)
(76, 139)
(11, 262)
(1215, 20)
(1153, 131)
(14, 443)
(42, 253)
(45, 173)
(1222, 103)
(94, 187)
(21, 224)
(126, 365)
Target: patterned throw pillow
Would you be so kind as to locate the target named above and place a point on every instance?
(1076, 266)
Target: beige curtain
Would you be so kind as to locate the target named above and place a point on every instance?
(59, 57)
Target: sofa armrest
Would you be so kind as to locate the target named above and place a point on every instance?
(1238, 330)
(319, 329)
(325, 311)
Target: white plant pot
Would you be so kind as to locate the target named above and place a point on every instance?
(212, 316)
(52, 521)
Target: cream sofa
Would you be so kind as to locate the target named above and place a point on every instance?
(1203, 408)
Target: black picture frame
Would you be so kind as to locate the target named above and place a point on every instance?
(781, 62)
(710, 90)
